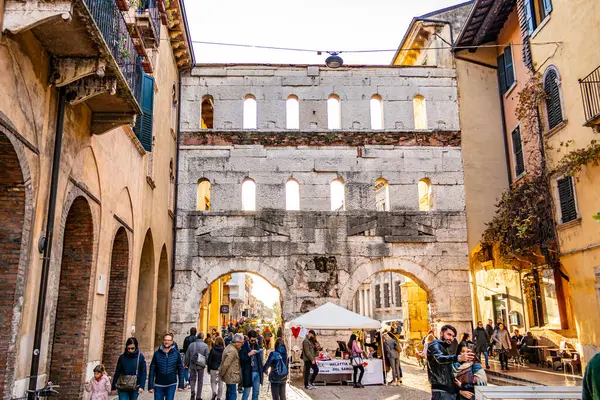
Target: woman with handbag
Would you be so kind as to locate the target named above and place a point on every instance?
(130, 374)
(502, 344)
(356, 360)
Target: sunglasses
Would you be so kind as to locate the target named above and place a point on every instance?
(131, 348)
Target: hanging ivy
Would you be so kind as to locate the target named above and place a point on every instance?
(572, 163)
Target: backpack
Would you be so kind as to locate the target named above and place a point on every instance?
(280, 368)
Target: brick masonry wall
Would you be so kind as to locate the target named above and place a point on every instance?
(69, 350)
(12, 213)
(117, 296)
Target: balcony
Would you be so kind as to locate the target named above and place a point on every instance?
(590, 94)
(93, 54)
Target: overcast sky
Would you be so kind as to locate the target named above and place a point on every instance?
(308, 24)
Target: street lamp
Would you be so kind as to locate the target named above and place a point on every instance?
(334, 61)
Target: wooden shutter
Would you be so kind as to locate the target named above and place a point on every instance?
(377, 296)
(518, 152)
(530, 16)
(566, 196)
(398, 294)
(386, 294)
(524, 27)
(547, 7)
(143, 124)
(509, 67)
(553, 105)
(501, 74)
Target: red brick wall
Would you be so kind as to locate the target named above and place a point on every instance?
(12, 213)
(117, 296)
(69, 349)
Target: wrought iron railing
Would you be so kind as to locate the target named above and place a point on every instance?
(590, 93)
(111, 24)
(151, 7)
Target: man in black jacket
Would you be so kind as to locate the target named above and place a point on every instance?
(186, 343)
(439, 365)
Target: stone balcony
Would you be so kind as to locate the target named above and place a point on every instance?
(93, 54)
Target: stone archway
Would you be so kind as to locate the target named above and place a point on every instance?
(114, 330)
(163, 292)
(13, 217)
(70, 343)
(144, 317)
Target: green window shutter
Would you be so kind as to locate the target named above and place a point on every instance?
(530, 16)
(509, 72)
(518, 152)
(501, 74)
(566, 196)
(553, 105)
(143, 124)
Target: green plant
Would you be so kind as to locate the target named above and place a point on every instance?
(123, 51)
(572, 163)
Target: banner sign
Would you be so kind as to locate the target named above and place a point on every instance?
(334, 367)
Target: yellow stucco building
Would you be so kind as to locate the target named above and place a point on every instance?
(88, 157)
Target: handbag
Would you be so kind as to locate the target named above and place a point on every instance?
(128, 383)
(356, 361)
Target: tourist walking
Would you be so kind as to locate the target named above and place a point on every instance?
(130, 374)
(309, 354)
(489, 328)
(100, 385)
(501, 339)
(196, 357)
(439, 365)
(229, 370)
(467, 375)
(268, 335)
(356, 360)
(186, 343)
(278, 364)
(166, 371)
(591, 379)
(482, 342)
(392, 352)
(252, 366)
(214, 362)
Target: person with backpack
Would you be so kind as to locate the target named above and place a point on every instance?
(278, 362)
(213, 363)
(196, 357)
(130, 374)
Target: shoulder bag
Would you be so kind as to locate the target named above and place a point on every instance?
(128, 383)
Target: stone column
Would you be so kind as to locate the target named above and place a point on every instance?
(361, 302)
(370, 304)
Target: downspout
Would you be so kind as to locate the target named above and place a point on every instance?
(47, 245)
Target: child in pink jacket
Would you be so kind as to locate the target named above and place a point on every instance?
(100, 385)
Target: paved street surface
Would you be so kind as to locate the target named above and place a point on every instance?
(415, 387)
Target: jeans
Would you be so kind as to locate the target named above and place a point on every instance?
(503, 358)
(133, 395)
(395, 367)
(307, 367)
(196, 378)
(255, 387)
(442, 396)
(165, 392)
(186, 374)
(362, 372)
(485, 354)
(216, 384)
(231, 393)
(278, 391)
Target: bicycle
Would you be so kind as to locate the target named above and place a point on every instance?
(43, 393)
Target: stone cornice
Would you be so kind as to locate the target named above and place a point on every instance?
(215, 137)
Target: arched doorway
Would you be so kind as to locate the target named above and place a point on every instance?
(12, 218)
(114, 330)
(144, 317)
(162, 298)
(70, 344)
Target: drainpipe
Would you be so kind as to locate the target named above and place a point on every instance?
(46, 242)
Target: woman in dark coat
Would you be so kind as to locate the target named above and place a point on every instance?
(213, 363)
(278, 382)
(131, 362)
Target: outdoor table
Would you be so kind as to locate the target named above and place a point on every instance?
(341, 370)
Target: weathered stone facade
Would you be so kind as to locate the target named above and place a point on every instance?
(316, 255)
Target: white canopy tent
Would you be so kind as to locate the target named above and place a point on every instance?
(332, 316)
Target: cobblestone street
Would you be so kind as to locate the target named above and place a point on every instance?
(415, 387)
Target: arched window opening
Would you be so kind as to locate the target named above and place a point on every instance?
(420, 112)
(203, 195)
(334, 112)
(250, 112)
(248, 195)
(382, 195)
(376, 112)
(338, 195)
(292, 195)
(208, 108)
(553, 98)
(292, 112)
(425, 203)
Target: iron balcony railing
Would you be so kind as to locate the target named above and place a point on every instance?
(151, 7)
(590, 93)
(111, 23)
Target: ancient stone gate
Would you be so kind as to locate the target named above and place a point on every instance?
(314, 255)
